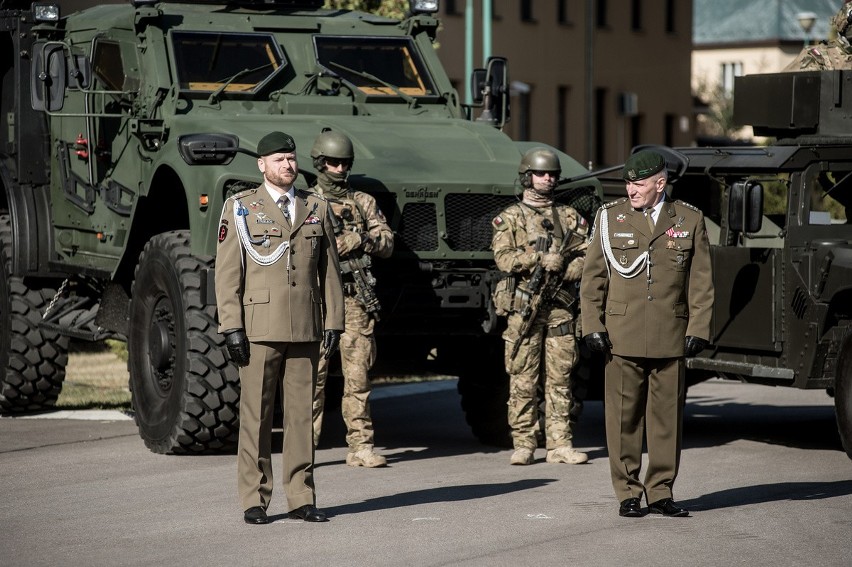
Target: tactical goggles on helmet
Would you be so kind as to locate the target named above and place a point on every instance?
(541, 173)
(336, 162)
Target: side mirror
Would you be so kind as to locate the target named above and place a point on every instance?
(79, 71)
(47, 80)
(496, 92)
(745, 207)
(477, 85)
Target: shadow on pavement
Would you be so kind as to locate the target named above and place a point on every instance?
(763, 493)
(441, 494)
(800, 427)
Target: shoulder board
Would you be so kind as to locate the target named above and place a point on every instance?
(245, 193)
(687, 205)
(614, 203)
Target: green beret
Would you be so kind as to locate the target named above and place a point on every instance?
(276, 142)
(642, 165)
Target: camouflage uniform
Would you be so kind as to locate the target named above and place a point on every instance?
(359, 214)
(835, 54)
(552, 337)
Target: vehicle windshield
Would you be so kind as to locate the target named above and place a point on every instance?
(241, 62)
(373, 63)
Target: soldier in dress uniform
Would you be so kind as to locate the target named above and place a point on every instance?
(279, 293)
(361, 232)
(834, 54)
(528, 236)
(646, 302)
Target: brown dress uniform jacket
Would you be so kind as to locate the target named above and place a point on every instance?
(648, 315)
(297, 297)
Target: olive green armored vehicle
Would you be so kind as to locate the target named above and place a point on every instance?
(778, 217)
(124, 127)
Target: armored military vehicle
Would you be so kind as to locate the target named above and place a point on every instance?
(781, 238)
(124, 127)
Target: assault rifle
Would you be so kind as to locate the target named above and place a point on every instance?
(358, 265)
(544, 285)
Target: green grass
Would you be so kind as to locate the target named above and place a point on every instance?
(96, 377)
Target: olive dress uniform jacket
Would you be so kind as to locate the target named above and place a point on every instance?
(296, 298)
(648, 315)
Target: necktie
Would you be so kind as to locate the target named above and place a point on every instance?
(650, 218)
(282, 204)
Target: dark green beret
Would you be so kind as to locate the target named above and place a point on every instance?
(642, 164)
(276, 142)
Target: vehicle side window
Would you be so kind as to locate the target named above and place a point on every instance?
(830, 200)
(108, 65)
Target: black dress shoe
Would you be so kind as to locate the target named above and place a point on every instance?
(309, 513)
(630, 508)
(255, 515)
(667, 507)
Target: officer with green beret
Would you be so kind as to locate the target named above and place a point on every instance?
(646, 300)
(279, 294)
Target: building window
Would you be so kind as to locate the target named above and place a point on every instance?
(527, 11)
(562, 12)
(669, 129)
(729, 71)
(670, 16)
(601, 14)
(600, 126)
(636, 15)
(562, 106)
(636, 131)
(523, 113)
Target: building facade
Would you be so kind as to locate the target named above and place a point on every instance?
(592, 78)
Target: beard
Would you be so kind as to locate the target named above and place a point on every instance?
(281, 177)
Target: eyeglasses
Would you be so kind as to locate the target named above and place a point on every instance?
(543, 173)
(335, 162)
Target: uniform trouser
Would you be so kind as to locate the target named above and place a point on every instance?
(293, 365)
(644, 394)
(557, 353)
(357, 355)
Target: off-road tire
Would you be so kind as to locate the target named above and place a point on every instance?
(32, 361)
(843, 394)
(184, 390)
(484, 389)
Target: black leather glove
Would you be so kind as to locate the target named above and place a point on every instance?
(693, 345)
(238, 346)
(330, 342)
(598, 342)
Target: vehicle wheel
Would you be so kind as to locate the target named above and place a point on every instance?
(843, 394)
(185, 392)
(484, 390)
(32, 361)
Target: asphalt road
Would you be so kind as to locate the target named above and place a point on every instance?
(762, 472)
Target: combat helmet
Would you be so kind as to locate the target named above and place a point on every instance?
(334, 145)
(538, 159)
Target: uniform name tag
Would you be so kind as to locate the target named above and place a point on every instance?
(623, 235)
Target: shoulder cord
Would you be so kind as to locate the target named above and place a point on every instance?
(627, 272)
(247, 240)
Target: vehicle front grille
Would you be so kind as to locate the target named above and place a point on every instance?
(418, 228)
(469, 220)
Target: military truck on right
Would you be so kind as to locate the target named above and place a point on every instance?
(778, 218)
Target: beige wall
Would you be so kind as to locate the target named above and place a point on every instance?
(707, 63)
(548, 55)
